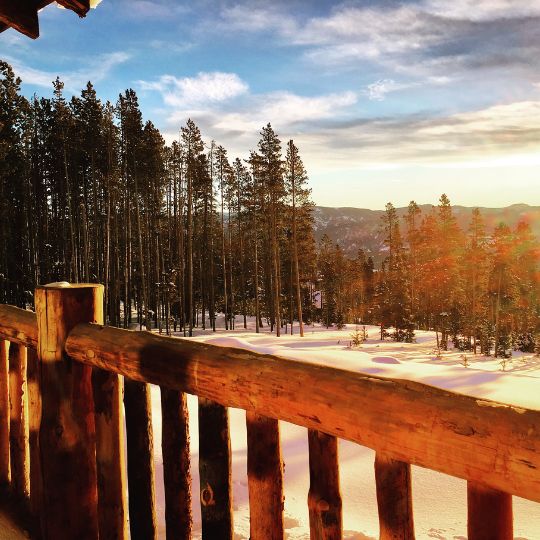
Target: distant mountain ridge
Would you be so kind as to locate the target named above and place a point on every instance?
(360, 228)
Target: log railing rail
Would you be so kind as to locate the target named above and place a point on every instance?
(74, 384)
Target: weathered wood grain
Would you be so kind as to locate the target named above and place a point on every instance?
(110, 444)
(265, 478)
(18, 326)
(474, 439)
(489, 513)
(140, 461)
(324, 497)
(394, 498)
(34, 420)
(18, 426)
(81, 7)
(67, 433)
(176, 464)
(215, 471)
(4, 415)
(21, 15)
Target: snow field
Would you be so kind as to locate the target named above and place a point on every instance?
(440, 501)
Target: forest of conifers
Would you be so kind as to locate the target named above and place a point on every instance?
(89, 192)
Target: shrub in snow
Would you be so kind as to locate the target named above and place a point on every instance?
(405, 335)
(487, 337)
(504, 346)
(462, 344)
(524, 342)
(358, 337)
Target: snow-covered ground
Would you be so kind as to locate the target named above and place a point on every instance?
(439, 500)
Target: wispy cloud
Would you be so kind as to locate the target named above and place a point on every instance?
(203, 89)
(377, 91)
(255, 18)
(425, 38)
(284, 110)
(211, 98)
(482, 136)
(153, 9)
(96, 69)
(162, 45)
(482, 11)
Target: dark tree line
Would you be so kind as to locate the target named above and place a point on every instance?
(90, 192)
(180, 233)
(481, 290)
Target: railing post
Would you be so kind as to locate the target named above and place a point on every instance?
(489, 512)
(394, 498)
(4, 415)
(69, 506)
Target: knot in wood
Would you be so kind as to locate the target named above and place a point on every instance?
(207, 496)
(322, 505)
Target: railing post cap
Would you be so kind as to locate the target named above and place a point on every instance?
(66, 285)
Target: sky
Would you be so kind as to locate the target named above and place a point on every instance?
(386, 100)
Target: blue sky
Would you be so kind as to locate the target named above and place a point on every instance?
(387, 101)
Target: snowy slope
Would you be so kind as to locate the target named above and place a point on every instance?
(439, 500)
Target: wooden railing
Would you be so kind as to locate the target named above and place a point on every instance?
(63, 457)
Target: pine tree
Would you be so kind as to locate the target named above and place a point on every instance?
(193, 147)
(272, 177)
(14, 259)
(475, 269)
(300, 216)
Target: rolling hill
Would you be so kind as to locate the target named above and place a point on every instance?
(360, 228)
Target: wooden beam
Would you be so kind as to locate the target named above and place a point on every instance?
(81, 7)
(18, 326)
(67, 433)
(21, 15)
(470, 438)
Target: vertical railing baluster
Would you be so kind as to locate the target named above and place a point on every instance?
(215, 471)
(490, 515)
(110, 460)
(176, 464)
(140, 461)
(324, 498)
(394, 498)
(4, 415)
(18, 428)
(34, 420)
(265, 478)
